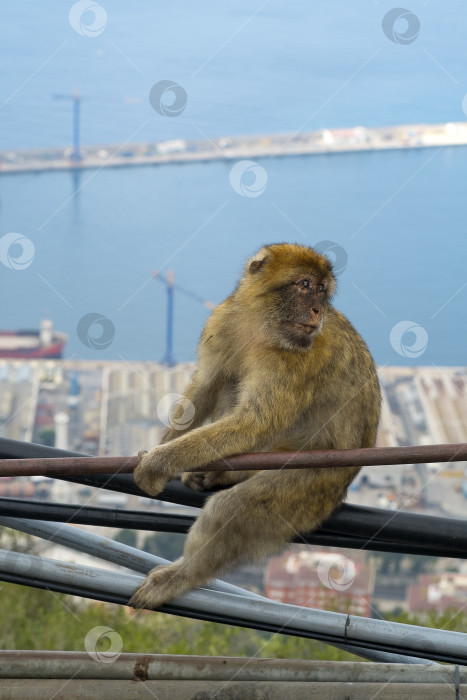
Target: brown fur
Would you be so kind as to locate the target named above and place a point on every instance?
(279, 369)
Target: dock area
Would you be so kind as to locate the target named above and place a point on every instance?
(324, 141)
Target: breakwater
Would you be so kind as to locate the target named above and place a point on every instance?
(257, 146)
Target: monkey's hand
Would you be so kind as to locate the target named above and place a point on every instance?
(205, 481)
(151, 474)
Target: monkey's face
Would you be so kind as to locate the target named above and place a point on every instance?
(301, 309)
(290, 285)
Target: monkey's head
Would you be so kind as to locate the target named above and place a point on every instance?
(286, 290)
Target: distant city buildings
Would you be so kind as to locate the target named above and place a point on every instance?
(119, 408)
(424, 405)
(324, 579)
(117, 402)
(98, 408)
(438, 592)
(421, 406)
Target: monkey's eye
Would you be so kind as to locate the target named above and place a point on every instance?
(320, 287)
(305, 283)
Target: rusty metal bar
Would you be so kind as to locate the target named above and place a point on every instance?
(364, 457)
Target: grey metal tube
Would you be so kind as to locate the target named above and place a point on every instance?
(131, 558)
(103, 548)
(349, 629)
(91, 689)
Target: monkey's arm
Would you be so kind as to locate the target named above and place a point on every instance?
(234, 434)
(200, 398)
(206, 383)
(249, 427)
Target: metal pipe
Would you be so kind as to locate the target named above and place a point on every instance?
(219, 617)
(351, 527)
(96, 689)
(104, 548)
(126, 556)
(14, 449)
(174, 491)
(371, 523)
(95, 515)
(142, 562)
(368, 456)
(11, 448)
(288, 619)
(79, 664)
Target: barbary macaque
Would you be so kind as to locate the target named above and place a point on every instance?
(279, 369)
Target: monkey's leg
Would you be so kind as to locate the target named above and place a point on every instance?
(247, 522)
(232, 528)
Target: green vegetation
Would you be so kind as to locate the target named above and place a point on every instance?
(165, 544)
(126, 537)
(393, 564)
(35, 619)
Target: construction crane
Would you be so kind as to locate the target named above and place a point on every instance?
(76, 156)
(171, 287)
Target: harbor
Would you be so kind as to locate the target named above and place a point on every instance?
(324, 141)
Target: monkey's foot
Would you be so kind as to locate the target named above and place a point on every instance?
(206, 481)
(159, 586)
(200, 481)
(148, 477)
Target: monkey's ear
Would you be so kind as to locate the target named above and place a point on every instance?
(257, 261)
(256, 265)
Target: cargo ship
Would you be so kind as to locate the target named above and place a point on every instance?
(44, 343)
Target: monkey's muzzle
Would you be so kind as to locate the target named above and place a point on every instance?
(307, 328)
